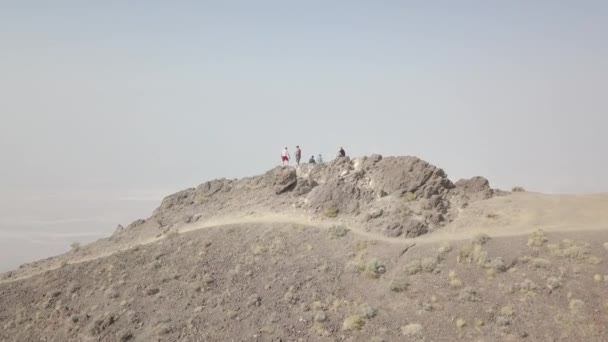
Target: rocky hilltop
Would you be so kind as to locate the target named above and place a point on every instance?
(393, 196)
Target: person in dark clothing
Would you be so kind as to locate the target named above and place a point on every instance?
(298, 155)
(341, 153)
(312, 160)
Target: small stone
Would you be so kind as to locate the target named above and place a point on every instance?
(320, 316)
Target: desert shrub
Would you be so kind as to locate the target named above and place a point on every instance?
(496, 265)
(367, 312)
(518, 189)
(410, 196)
(573, 250)
(468, 294)
(472, 253)
(428, 264)
(331, 212)
(453, 279)
(413, 267)
(537, 238)
(354, 322)
(375, 268)
(338, 231)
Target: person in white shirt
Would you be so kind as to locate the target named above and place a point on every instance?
(285, 156)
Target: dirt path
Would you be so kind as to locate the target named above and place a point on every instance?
(514, 215)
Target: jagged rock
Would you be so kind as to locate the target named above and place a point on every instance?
(476, 186)
(135, 224)
(119, 229)
(282, 179)
(408, 175)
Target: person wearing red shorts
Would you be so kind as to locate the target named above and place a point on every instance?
(285, 156)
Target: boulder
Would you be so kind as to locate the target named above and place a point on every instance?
(476, 187)
(283, 179)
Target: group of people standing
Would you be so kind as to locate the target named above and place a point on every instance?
(285, 156)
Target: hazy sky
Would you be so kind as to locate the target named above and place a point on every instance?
(154, 96)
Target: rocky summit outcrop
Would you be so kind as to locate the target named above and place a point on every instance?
(393, 196)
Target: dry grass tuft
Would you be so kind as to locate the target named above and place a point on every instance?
(413, 267)
(573, 250)
(576, 306)
(375, 268)
(453, 279)
(469, 294)
(367, 312)
(412, 330)
(537, 238)
(460, 323)
(426, 264)
(475, 254)
(472, 253)
(410, 196)
(352, 323)
(505, 316)
(331, 212)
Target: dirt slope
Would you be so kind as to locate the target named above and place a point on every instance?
(284, 282)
